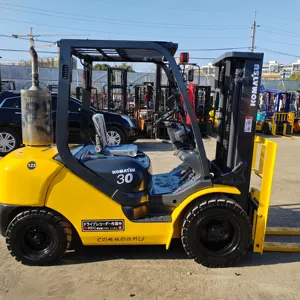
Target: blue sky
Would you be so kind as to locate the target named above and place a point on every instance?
(193, 24)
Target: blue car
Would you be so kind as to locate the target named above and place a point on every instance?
(120, 128)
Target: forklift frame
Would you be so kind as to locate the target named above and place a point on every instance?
(217, 186)
(116, 51)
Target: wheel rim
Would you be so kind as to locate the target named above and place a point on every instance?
(7, 142)
(38, 241)
(217, 235)
(113, 138)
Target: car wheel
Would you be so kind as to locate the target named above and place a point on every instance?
(38, 237)
(115, 136)
(9, 140)
(216, 232)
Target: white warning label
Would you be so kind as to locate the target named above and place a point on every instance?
(248, 124)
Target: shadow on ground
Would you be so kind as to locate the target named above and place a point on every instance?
(284, 215)
(176, 252)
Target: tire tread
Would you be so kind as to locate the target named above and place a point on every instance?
(199, 206)
(58, 219)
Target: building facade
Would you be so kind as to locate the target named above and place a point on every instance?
(270, 70)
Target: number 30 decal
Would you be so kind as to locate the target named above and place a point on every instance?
(124, 178)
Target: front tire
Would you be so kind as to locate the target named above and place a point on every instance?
(216, 232)
(38, 237)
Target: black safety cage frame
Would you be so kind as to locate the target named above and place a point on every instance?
(90, 51)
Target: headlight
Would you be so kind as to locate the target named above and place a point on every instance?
(128, 120)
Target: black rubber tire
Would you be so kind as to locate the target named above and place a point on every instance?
(267, 128)
(191, 226)
(119, 131)
(60, 237)
(16, 136)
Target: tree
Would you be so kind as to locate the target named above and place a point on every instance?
(101, 67)
(295, 76)
(126, 67)
(104, 67)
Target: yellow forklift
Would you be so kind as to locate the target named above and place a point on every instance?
(107, 195)
(274, 116)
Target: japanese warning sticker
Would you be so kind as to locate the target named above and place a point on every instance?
(248, 124)
(102, 225)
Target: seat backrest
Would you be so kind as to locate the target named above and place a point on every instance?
(100, 127)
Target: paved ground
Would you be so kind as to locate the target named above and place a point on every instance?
(153, 273)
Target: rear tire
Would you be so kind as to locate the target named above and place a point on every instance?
(38, 237)
(9, 140)
(216, 232)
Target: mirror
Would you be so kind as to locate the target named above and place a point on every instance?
(191, 75)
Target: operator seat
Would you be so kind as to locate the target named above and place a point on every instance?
(120, 150)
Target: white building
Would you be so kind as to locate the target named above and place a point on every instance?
(208, 70)
(281, 70)
(271, 69)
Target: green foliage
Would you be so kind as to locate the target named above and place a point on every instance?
(101, 67)
(126, 67)
(295, 76)
(104, 67)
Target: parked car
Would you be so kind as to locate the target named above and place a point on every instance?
(120, 129)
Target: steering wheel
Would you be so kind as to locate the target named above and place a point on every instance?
(166, 116)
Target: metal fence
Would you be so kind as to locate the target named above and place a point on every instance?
(22, 77)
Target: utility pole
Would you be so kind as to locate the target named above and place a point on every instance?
(254, 26)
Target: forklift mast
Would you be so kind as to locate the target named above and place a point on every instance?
(162, 92)
(111, 86)
(238, 77)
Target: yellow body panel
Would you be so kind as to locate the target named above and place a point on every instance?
(21, 186)
(215, 189)
(77, 201)
(52, 185)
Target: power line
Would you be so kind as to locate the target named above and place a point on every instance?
(281, 30)
(214, 49)
(281, 43)
(275, 17)
(75, 17)
(27, 39)
(164, 7)
(19, 50)
(281, 34)
(282, 53)
(121, 33)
